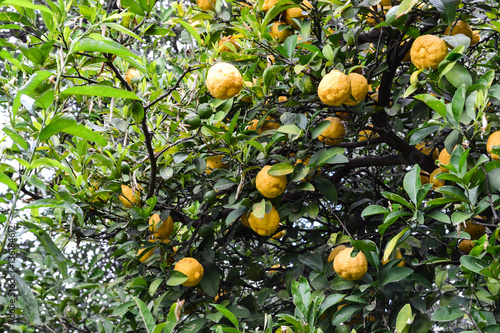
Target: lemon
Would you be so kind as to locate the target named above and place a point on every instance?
(280, 36)
(475, 37)
(230, 39)
(270, 186)
(205, 111)
(244, 219)
(132, 76)
(348, 268)
(224, 81)
(367, 134)
(424, 177)
(335, 251)
(428, 51)
(192, 120)
(436, 183)
(163, 230)
(359, 88)
(279, 235)
(397, 256)
(334, 88)
(334, 133)
(215, 162)
(427, 149)
(444, 158)
(474, 230)
(466, 245)
(129, 197)
(493, 140)
(296, 12)
(267, 225)
(148, 254)
(206, 5)
(268, 4)
(192, 269)
(282, 99)
(269, 124)
(461, 27)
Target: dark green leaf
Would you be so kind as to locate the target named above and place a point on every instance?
(176, 278)
(54, 251)
(326, 188)
(101, 91)
(374, 210)
(394, 274)
(28, 300)
(447, 313)
(447, 10)
(228, 314)
(146, 315)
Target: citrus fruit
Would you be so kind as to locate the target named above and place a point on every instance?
(267, 225)
(129, 197)
(461, 27)
(282, 99)
(359, 88)
(132, 76)
(215, 162)
(244, 219)
(493, 140)
(334, 88)
(192, 120)
(466, 245)
(367, 134)
(444, 158)
(474, 230)
(280, 36)
(148, 254)
(427, 149)
(279, 235)
(397, 256)
(269, 124)
(296, 12)
(385, 3)
(268, 4)
(206, 5)
(475, 37)
(349, 268)
(335, 251)
(436, 183)
(192, 269)
(428, 51)
(231, 39)
(424, 177)
(163, 230)
(270, 186)
(205, 111)
(224, 81)
(334, 133)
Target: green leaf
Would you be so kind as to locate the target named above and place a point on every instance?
(422, 132)
(171, 322)
(447, 313)
(123, 30)
(374, 210)
(51, 248)
(411, 183)
(154, 286)
(134, 6)
(392, 244)
(290, 129)
(345, 313)
(192, 31)
(26, 4)
(176, 278)
(476, 265)
(101, 91)
(404, 319)
(457, 104)
(28, 300)
(458, 76)
(329, 302)
(329, 156)
(210, 282)
(47, 162)
(228, 314)
(290, 44)
(446, 8)
(33, 83)
(301, 293)
(326, 188)
(146, 315)
(394, 274)
(319, 129)
(7, 181)
(434, 103)
(99, 43)
(280, 169)
(55, 126)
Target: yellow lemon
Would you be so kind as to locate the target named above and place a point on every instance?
(224, 81)
(367, 134)
(334, 133)
(359, 88)
(206, 5)
(244, 219)
(129, 197)
(475, 37)
(397, 256)
(148, 254)
(349, 268)
(267, 225)
(280, 36)
(230, 39)
(474, 230)
(161, 231)
(268, 4)
(427, 149)
(466, 245)
(461, 27)
(335, 251)
(269, 124)
(282, 99)
(493, 140)
(428, 51)
(424, 177)
(192, 269)
(270, 186)
(132, 76)
(296, 12)
(215, 162)
(334, 88)
(436, 183)
(279, 235)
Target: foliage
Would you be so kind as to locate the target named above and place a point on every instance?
(76, 128)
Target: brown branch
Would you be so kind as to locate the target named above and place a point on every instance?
(360, 143)
(118, 74)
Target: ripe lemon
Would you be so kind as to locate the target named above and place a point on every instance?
(436, 183)
(148, 254)
(461, 27)
(296, 12)
(282, 99)
(428, 51)
(132, 76)
(161, 231)
(444, 158)
(224, 81)
(359, 88)
(334, 88)
(466, 245)
(192, 269)
(335, 251)
(267, 225)
(474, 230)
(244, 219)
(215, 162)
(493, 140)
(367, 134)
(268, 4)
(230, 39)
(348, 268)
(279, 235)
(270, 186)
(269, 124)
(334, 133)
(397, 256)
(427, 149)
(280, 36)
(206, 5)
(424, 177)
(475, 37)
(129, 197)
